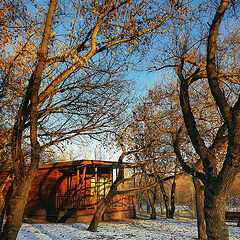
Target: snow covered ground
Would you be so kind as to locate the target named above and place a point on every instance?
(132, 230)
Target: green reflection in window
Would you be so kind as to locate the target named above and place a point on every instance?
(103, 186)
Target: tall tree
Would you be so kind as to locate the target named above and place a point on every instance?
(127, 150)
(217, 180)
(162, 110)
(211, 56)
(69, 60)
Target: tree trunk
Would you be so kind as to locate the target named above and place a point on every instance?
(102, 207)
(199, 198)
(2, 203)
(152, 201)
(172, 210)
(214, 210)
(106, 201)
(148, 207)
(165, 198)
(2, 187)
(6, 202)
(15, 215)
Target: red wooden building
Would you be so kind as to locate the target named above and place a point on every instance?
(71, 191)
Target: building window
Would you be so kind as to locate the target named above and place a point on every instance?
(92, 186)
(103, 186)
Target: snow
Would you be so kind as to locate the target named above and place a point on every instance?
(161, 229)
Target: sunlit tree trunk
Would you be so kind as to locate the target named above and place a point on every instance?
(214, 209)
(28, 112)
(5, 202)
(105, 202)
(2, 187)
(15, 215)
(218, 185)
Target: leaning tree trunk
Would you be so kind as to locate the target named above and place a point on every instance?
(28, 112)
(106, 201)
(214, 210)
(16, 210)
(199, 197)
(103, 206)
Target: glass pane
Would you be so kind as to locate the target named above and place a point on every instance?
(92, 186)
(103, 186)
(107, 185)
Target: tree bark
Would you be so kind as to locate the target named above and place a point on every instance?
(2, 187)
(14, 218)
(28, 110)
(214, 210)
(152, 201)
(166, 200)
(103, 206)
(6, 202)
(217, 181)
(173, 189)
(199, 197)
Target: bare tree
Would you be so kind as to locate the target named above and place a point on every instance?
(69, 61)
(217, 180)
(127, 150)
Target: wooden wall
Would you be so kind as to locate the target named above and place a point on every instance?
(63, 191)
